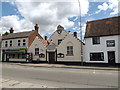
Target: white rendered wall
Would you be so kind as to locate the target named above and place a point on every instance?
(62, 48)
(89, 48)
(42, 49)
(15, 43)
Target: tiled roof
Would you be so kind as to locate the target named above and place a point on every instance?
(103, 27)
(17, 35)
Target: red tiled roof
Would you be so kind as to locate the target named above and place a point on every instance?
(103, 27)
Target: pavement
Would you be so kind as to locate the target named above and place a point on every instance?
(9, 83)
(65, 66)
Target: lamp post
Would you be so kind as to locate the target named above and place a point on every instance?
(81, 33)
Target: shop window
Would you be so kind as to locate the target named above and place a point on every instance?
(60, 55)
(96, 40)
(99, 56)
(13, 56)
(42, 55)
(18, 56)
(23, 56)
(36, 51)
(69, 50)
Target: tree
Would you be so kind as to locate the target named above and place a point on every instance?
(6, 33)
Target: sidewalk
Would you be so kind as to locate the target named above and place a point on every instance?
(66, 66)
(8, 83)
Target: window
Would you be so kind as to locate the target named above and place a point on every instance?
(60, 55)
(96, 40)
(110, 43)
(24, 42)
(37, 51)
(59, 41)
(6, 43)
(97, 56)
(18, 42)
(13, 56)
(69, 50)
(10, 43)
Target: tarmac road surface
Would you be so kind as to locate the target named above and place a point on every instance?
(61, 77)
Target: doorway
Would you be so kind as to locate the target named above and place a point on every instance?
(51, 57)
(111, 57)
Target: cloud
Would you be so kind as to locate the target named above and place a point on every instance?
(47, 15)
(14, 21)
(110, 4)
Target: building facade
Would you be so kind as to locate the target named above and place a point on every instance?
(102, 41)
(38, 49)
(15, 45)
(63, 47)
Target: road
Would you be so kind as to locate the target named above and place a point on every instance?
(62, 77)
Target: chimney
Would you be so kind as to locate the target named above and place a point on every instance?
(11, 30)
(46, 38)
(75, 34)
(36, 27)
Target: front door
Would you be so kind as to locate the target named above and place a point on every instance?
(111, 57)
(52, 57)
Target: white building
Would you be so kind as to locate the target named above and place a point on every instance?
(15, 45)
(38, 49)
(102, 41)
(63, 47)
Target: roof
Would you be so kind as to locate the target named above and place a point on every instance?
(17, 35)
(103, 27)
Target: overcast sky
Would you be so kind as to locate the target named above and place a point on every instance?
(22, 16)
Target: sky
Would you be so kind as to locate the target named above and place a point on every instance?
(22, 15)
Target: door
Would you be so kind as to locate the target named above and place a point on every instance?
(52, 57)
(111, 57)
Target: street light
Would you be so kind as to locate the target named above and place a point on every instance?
(81, 33)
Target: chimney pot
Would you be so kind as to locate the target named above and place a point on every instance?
(36, 27)
(11, 30)
(46, 38)
(75, 34)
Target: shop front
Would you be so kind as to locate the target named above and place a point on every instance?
(14, 54)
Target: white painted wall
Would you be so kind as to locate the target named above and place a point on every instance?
(55, 36)
(89, 47)
(42, 49)
(62, 48)
(15, 43)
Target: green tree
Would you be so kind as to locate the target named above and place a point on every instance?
(6, 33)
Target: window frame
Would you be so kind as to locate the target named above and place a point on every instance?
(24, 42)
(95, 57)
(59, 41)
(10, 43)
(95, 40)
(36, 52)
(19, 42)
(69, 51)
